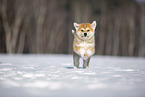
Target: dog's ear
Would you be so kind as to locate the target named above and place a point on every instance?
(76, 25)
(94, 25)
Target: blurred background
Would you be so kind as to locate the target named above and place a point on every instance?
(44, 26)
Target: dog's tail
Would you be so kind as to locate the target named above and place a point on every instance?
(74, 33)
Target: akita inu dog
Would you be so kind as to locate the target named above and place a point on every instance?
(84, 43)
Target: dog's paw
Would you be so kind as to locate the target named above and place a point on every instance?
(75, 67)
(87, 67)
(86, 55)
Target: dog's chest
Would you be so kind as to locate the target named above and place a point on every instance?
(85, 45)
(85, 49)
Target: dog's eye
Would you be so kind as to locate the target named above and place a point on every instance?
(88, 30)
(82, 30)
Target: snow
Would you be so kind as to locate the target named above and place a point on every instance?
(54, 76)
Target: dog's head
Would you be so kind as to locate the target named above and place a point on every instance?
(85, 31)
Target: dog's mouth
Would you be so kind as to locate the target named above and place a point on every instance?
(85, 37)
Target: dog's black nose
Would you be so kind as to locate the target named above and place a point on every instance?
(85, 34)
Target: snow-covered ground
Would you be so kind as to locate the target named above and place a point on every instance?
(54, 76)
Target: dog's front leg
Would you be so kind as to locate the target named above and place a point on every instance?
(76, 59)
(86, 63)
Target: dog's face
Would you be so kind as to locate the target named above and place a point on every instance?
(85, 31)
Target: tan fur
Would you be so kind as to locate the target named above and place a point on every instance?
(84, 46)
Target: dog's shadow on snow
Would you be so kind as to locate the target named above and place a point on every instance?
(73, 68)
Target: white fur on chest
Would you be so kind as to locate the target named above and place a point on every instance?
(85, 45)
(85, 50)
